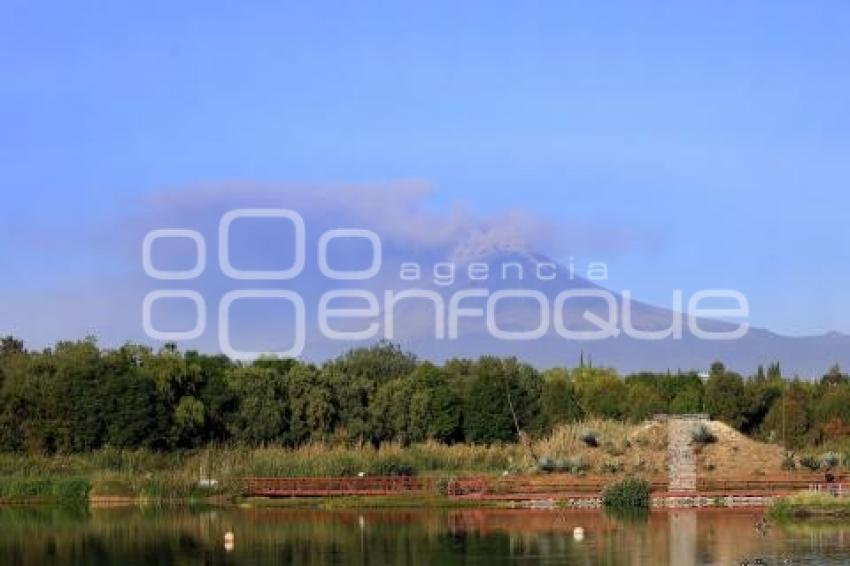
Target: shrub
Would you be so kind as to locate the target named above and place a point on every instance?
(810, 462)
(67, 491)
(830, 460)
(391, 466)
(546, 464)
(443, 484)
(575, 465)
(612, 467)
(25, 488)
(72, 491)
(627, 493)
(788, 463)
(701, 434)
(590, 438)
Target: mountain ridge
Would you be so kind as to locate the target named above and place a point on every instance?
(806, 356)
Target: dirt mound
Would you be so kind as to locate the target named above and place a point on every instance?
(649, 433)
(642, 449)
(621, 448)
(734, 455)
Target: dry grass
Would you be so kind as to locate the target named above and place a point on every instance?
(632, 449)
(318, 459)
(734, 455)
(643, 448)
(622, 449)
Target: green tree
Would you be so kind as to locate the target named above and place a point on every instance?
(831, 410)
(643, 401)
(487, 416)
(311, 408)
(417, 407)
(789, 420)
(188, 421)
(834, 377)
(689, 395)
(759, 396)
(259, 417)
(774, 372)
(601, 392)
(436, 406)
(355, 378)
(724, 396)
(558, 399)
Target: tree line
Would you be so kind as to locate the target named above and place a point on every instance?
(77, 397)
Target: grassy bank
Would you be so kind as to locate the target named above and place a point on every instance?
(593, 447)
(161, 477)
(372, 502)
(61, 490)
(158, 476)
(136, 474)
(810, 505)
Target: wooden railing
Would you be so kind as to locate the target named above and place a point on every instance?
(768, 483)
(338, 486)
(529, 486)
(521, 487)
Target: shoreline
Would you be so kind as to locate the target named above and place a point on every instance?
(659, 501)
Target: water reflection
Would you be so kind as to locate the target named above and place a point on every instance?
(683, 537)
(49, 535)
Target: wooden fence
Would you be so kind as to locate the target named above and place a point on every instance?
(340, 486)
(556, 486)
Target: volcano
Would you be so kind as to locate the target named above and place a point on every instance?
(415, 325)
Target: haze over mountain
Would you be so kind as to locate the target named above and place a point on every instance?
(691, 146)
(107, 304)
(807, 356)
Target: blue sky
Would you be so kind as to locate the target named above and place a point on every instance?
(711, 140)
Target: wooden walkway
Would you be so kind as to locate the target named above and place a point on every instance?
(336, 487)
(519, 488)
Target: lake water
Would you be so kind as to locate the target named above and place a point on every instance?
(127, 536)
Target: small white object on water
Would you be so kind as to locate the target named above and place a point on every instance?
(361, 474)
(578, 534)
(361, 522)
(207, 483)
(506, 473)
(229, 541)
